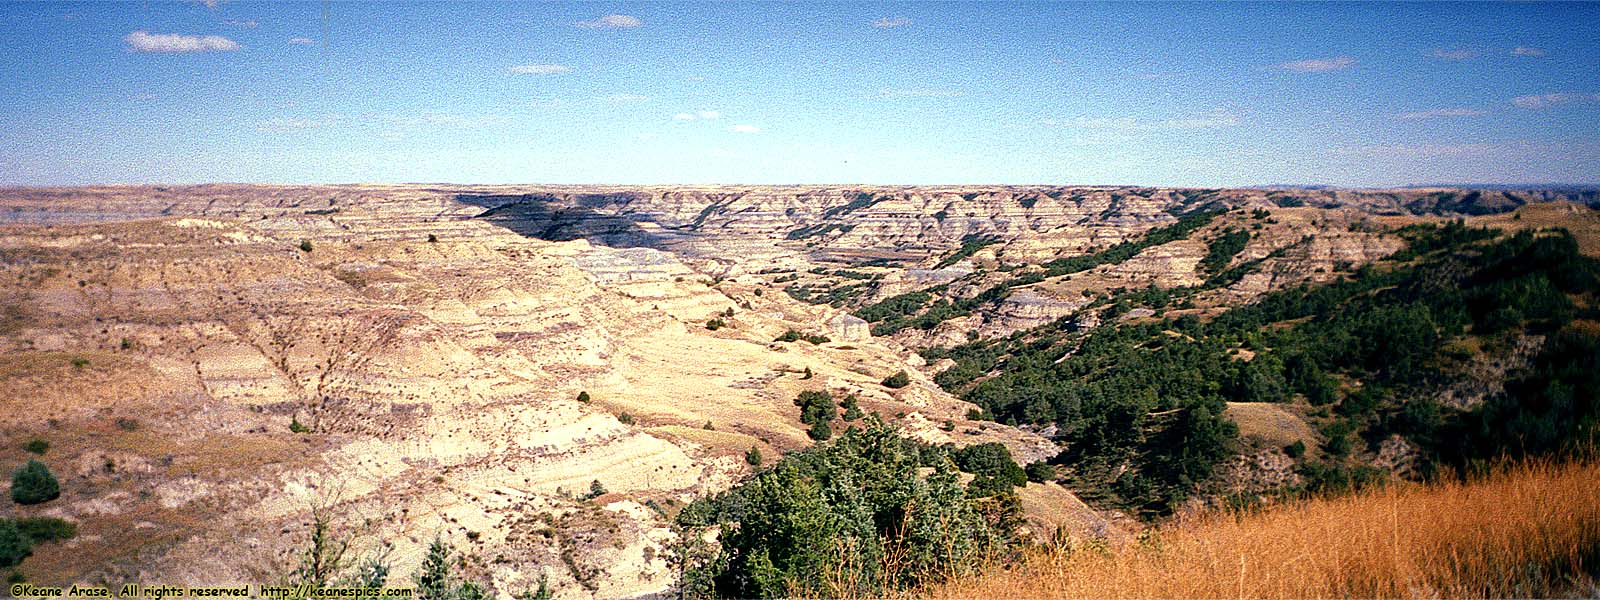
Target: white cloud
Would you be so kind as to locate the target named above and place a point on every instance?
(539, 69)
(626, 98)
(700, 115)
(1452, 54)
(1319, 65)
(1440, 112)
(612, 22)
(887, 93)
(1548, 100)
(887, 22)
(144, 41)
(247, 24)
(745, 129)
(1527, 51)
(302, 41)
(1214, 120)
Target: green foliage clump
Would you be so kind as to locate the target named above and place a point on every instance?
(852, 408)
(823, 521)
(897, 380)
(33, 484)
(14, 545)
(583, 396)
(969, 246)
(1040, 472)
(295, 426)
(1220, 251)
(36, 446)
(716, 324)
(1126, 250)
(46, 529)
(753, 456)
(305, 245)
(1145, 400)
(817, 410)
(794, 336)
(435, 581)
(625, 418)
(992, 464)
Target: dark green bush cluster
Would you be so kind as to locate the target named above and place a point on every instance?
(913, 310)
(33, 484)
(898, 380)
(19, 536)
(824, 522)
(969, 246)
(817, 410)
(852, 408)
(996, 472)
(1151, 395)
(716, 324)
(1221, 250)
(794, 336)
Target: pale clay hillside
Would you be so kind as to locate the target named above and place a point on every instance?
(435, 339)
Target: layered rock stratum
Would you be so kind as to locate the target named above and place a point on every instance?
(434, 340)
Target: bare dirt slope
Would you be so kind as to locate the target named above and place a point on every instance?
(165, 358)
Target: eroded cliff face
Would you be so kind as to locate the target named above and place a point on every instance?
(434, 340)
(436, 360)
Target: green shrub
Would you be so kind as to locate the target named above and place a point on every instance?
(14, 546)
(897, 380)
(434, 580)
(46, 529)
(36, 446)
(1295, 450)
(715, 324)
(753, 456)
(33, 484)
(1040, 472)
(295, 426)
(820, 431)
(625, 418)
(305, 245)
(842, 508)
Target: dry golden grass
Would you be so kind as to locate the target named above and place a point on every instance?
(1528, 531)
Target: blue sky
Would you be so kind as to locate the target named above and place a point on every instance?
(733, 92)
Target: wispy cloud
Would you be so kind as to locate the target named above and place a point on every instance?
(626, 98)
(1439, 112)
(612, 22)
(1319, 65)
(745, 129)
(170, 43)
(1527, 51)
(1213, 120)
(1537, 101)
(917, 93)
(694, 116)
(302, 41)
(245, 23)
(887, 22)
(1452, 53)
(539, 69)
